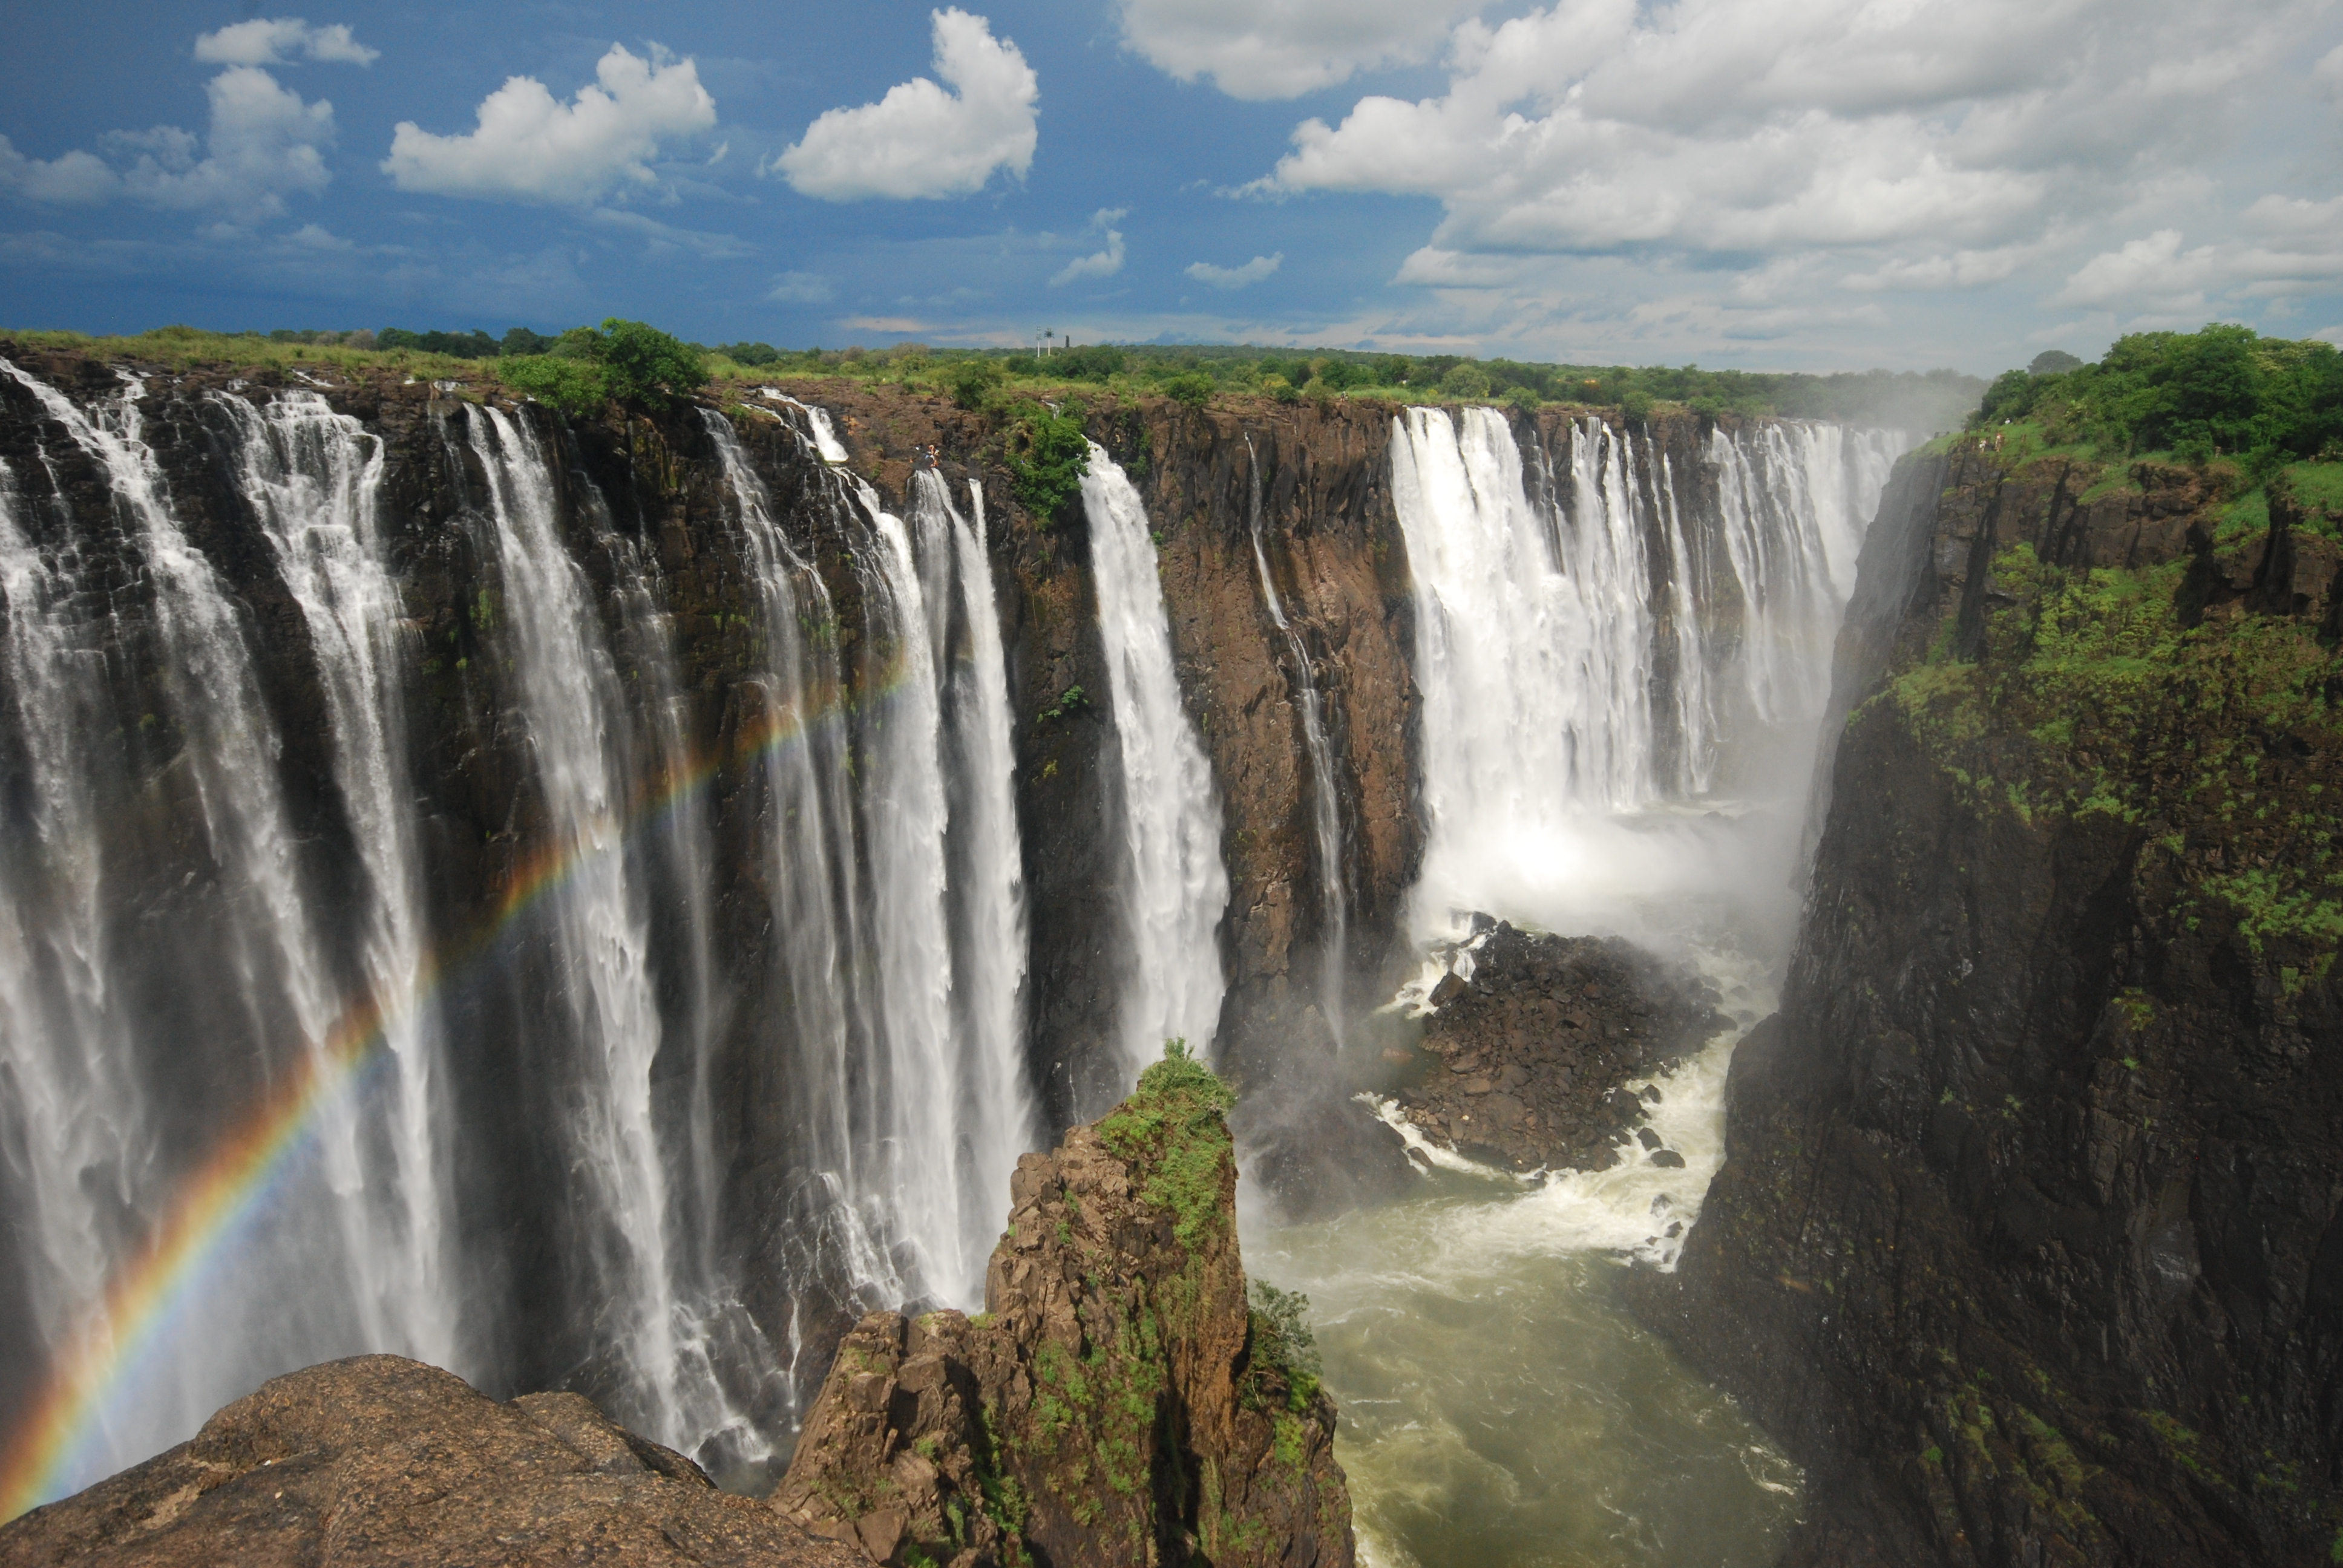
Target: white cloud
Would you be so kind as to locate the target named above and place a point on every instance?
(669, 238)
(801, 288)
(1105, 263)
(264, 143)
(1888, 148)
(529, 146)
(1284, 49)
(1253, 271)
(2328, 71)
(920, 140)
(280, 42)
(2281, 248)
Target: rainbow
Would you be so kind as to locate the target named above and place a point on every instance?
(63, 1430)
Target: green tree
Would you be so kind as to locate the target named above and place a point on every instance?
(1465, 380)
(1192, 388)
(649, 368)
(1047, 456)
(972, 381)
(575, 387)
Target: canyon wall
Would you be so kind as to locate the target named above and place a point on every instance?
(2029, 1239)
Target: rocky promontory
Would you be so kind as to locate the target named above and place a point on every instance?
(1125, 1398)
(380, 1461)
(1535, 1047)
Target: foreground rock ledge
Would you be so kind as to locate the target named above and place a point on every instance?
(381, 1461)
(1120, 1403)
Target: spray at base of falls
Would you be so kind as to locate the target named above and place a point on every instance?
(1175, 888)
(1621, 688)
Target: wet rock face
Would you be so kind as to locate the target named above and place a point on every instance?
(2029, 1241)
(1536, 1048)
(379, 1460)
(1118, 1404)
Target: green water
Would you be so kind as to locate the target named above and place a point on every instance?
(1499, 1409)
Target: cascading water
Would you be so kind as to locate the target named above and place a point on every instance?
(921, 1099)
(313, 479)
(1622, 679)
(1176, 887)
(567, 692)
(139, 1015)
(1325, 806)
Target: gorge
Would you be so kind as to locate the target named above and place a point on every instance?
(604, 903)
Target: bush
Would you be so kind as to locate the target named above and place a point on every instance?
(755, 356)
(1635, 408)
(1524, 399)
(1194, 389)
(1047, 456)
(645, 365)
(575, 387)
(1277, 388)
(974, 380)
(455, 345)
(1090, 362)
(1281, 1342)
(1467, 380)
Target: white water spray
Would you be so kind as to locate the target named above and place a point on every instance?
(1175, 888)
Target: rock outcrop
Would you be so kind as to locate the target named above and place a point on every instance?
(1120, 1401)
(380, 1461)
(1536, 1048)
(2029, 1238)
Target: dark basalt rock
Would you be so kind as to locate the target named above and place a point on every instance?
(2029, 1239)
(380, 1461)
(1535, 1050)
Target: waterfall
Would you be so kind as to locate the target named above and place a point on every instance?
(313, 479)
(124, 994)
(1176, 889)
(996, 1113)
(1599, 648)
(569, 699)
(1325, 809)
(917, 1080)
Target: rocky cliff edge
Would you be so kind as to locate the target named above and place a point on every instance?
(1124, 1399)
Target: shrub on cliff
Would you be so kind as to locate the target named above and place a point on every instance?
(974, 380)
(1047, 454)
(574, 387)
(1465, 380)
(1174, 1127)
(1192, 388)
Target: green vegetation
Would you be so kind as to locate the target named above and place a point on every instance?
(973, 381)
(2096, 694)
(1047, 454)
(2223, 391)
(1173, 1133)
(574, 387)
(1279, 1348)
(1067, 701)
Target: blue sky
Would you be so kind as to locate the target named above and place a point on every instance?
(1817, 184)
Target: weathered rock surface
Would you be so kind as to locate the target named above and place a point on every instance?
(1118, 1402)
(381, 1461)
(1536, 1048)
(2029, 1238)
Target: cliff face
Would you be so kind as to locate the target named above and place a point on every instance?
(1118, 1402)
(2027, 1239)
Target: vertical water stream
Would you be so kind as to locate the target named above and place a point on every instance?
(1175, 888)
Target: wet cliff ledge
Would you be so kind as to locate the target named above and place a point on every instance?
(2027, 1238)
(1120, 1401)
(379, 1460)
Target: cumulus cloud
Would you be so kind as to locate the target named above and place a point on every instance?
(1253, 271)
(281, 42)
(920, 140)
(2328, 71)
(529, 147)
(1284, 49)
(264, 143)
(2283, 246)
(1940, 148)
(801, 288)
(1104, 263)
